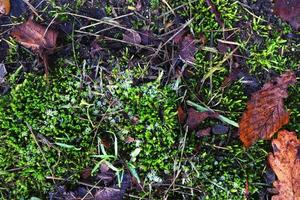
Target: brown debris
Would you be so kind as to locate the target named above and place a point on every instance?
(195, 118)
(285, 162)
(40, 39)
(288, 10)
(181, 115)
(265, 113)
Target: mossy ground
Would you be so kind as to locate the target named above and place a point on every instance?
(57, 129)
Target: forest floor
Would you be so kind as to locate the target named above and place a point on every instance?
(110, 109)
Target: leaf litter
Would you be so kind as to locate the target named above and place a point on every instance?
(266, 113)
(285, 162)
(40, 39)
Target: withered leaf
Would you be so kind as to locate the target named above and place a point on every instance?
(4, 7)
(203, 132)
(285, 162)
(132, 37)
(195, 118)
(187, 49)
(181, 114)
(265, 113)
(35, 37)
(38, 38)
(109, 194)
(288, 10)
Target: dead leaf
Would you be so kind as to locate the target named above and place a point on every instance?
(203, 132)
(181, 114)
(86, 173)
(288, 10)
(132, 37)
(4, 7)
(285, 162)
(195, 118)
(265, 113)
(109, 194)
(219, 129)
(114, 193)
(187, 49)
(38, 38)
(35, 37)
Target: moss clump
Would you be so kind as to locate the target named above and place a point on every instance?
(152, 122)
(145, 112)
(43, 133)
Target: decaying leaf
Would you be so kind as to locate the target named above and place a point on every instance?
(181, 114)
(35, 37)
(38, 38)
(265, 113)
(195, 118)
(132, 37)
(187, 49)
(285, 162)
(109, 194)
(4, 7)
(288, 10)
(203, 132)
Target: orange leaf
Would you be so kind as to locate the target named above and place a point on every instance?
(4, 7)
(36, 37)
(265, 113)
(285, 162)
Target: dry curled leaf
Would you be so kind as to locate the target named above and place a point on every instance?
(288, 10)
(265, 113)
(285, 162)
(4, 7)
(195, 118)
(38, 38)
(35, 37)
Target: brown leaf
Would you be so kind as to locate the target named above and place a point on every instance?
(285, 162)
(195, 118)
(132, 37)
(288, 10)
(86, 173)
(109, 194)
(203, 132)
(187, 48)
(4, 7)
(181, 114)
(38, 38)
(35, 37)
(265, 113)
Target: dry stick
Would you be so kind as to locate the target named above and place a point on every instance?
(40, 149)
(101, 21)
(178, 172)
(33, 9)
(117, 40)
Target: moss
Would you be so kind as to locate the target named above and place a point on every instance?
(144, 112)
(53, 114)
